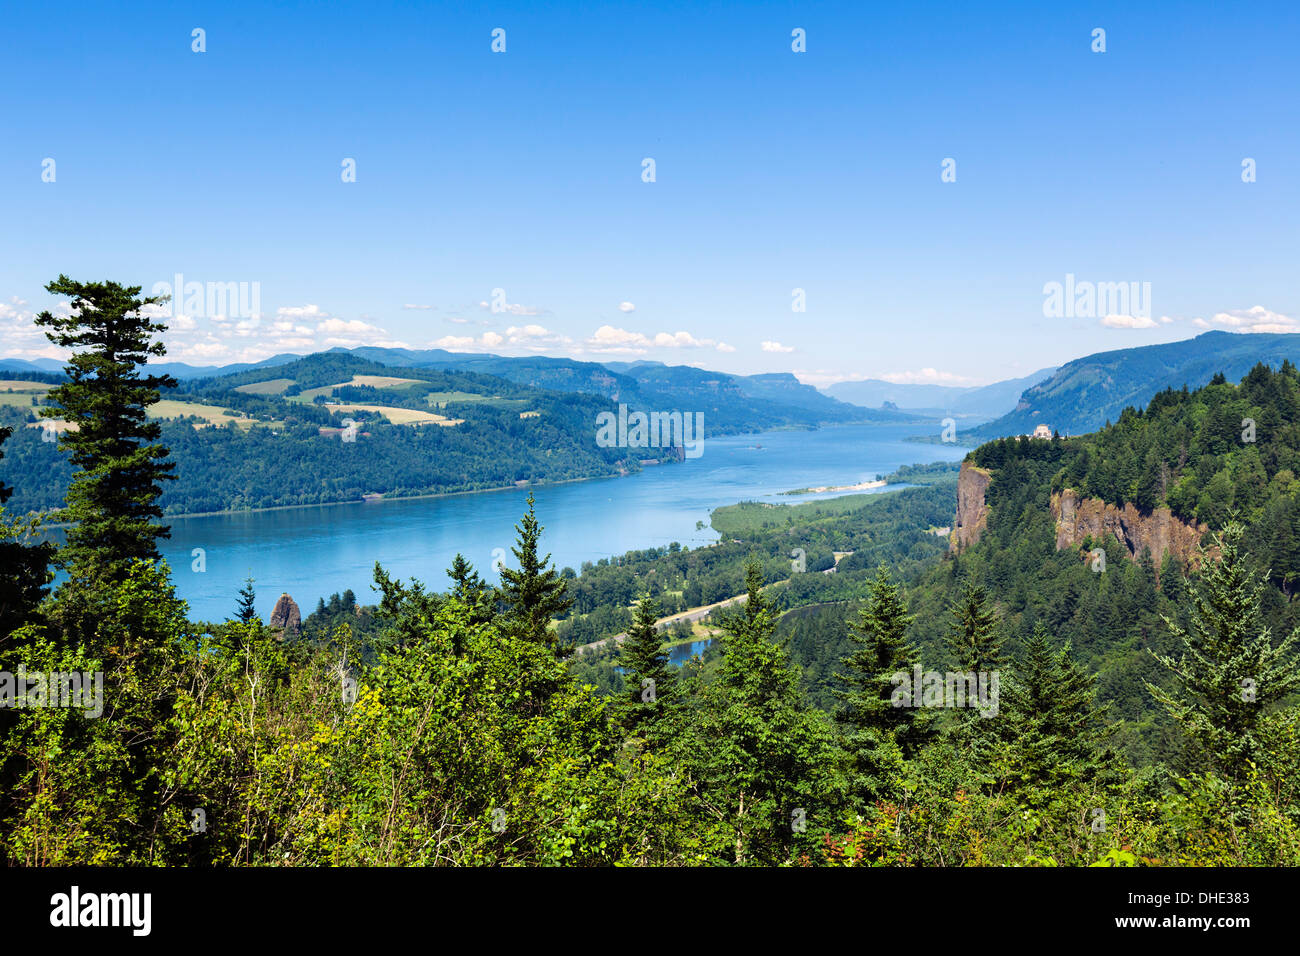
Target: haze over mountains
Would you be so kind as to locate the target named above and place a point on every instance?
(978, 401)
(1078, 397)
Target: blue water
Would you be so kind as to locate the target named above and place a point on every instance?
(312, 552)
(679, 654)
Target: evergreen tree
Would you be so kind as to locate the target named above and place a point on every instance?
(470, 588)
(1056, 731)
(246, 612)
(881, 650)
(974, 635)
(975, 642)
(647, 675)
(1230, 672)
(114, 493)
(534, 594)
(756, 755)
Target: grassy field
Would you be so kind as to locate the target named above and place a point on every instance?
(374, 381)
(273, 387)
(58, 425)
(750, 516)
(439, 399)
(383, 381)
(213, 414)
(19, 394)
(399, 416)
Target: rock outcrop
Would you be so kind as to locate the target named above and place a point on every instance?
(1078, 518)
(972, 512)
(285, 618)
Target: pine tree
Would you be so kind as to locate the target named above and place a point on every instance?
(1230, 672)
(975, 642)
(470, 588)
(246, 612)
(756, 754)
(649, 678)
(881, 650)
(535, 593)
(974, 637)
(1053, 725)
(465, 579)
(114, 493)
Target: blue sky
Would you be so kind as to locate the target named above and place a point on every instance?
(774, 170)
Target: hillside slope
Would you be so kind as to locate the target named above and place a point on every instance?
(1085, 393)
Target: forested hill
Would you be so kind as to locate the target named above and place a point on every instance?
(1187, 450)
(275, 435)
(1085, 394)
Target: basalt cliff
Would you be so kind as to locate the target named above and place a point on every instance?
(972, 512)
(1078, 518)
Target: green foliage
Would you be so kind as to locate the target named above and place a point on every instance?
(533, 593)
(1230, 673)
(113, 496)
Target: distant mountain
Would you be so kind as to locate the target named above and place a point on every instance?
(729, 402)
(178, 370)
(979, 401)
(1086, 393)
(30, 365)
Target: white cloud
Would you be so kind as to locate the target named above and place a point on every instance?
(301, 312)
(608, 339)
(422, 308)
(1128, 322)
(347, 327)
(777, 347)
(929, 376)
(454, 342)
(1255, 319)
(626, 307)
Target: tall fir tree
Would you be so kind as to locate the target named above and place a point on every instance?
(763, 762)
(881, 650)
(647, 675)
(113, 498)
(974, 635)
(975, 642)
(469, 587)
(1056, 732)
(246, 609)
(534, 593)
(1230, 673)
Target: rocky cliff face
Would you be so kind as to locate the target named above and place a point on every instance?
(285, 617)
(972, 512)
(1078, 518)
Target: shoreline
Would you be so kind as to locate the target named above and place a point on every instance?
(860, 486)
(228, 512)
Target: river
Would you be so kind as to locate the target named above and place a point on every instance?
(314, 551)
